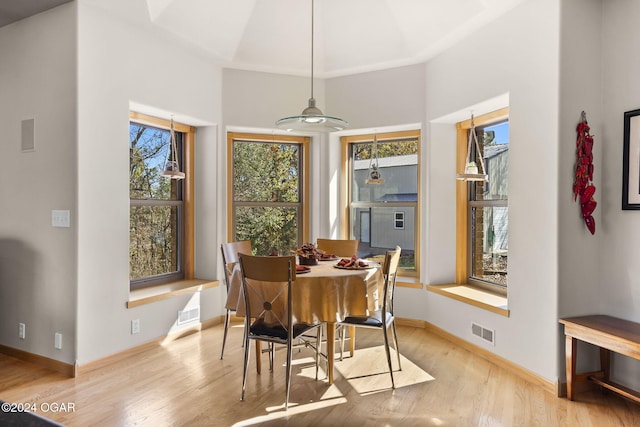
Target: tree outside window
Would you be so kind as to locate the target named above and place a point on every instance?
(268, 187)
(156, 213)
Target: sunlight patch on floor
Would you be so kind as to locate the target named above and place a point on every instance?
(294, 409)
(368, 372)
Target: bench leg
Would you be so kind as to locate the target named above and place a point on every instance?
(571, 345)
(605, 362)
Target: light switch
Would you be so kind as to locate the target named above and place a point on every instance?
(60, 218)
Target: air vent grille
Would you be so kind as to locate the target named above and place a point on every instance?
(190, 315)
(483, 333)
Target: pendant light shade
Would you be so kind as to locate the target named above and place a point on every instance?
(172, 166)
(471, 171)
(373, 175)
(312, 118)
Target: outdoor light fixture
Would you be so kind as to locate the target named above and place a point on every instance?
(312, 118)
(471, 172)
(373, 176)
(172, 167)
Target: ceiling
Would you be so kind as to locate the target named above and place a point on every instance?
(350, 36)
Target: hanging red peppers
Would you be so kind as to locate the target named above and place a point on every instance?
(583, 188)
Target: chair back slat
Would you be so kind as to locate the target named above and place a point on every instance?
(341, 248)
(390, 271)
(230, 253)
(266, 286)
(231, 250)
(268, 268)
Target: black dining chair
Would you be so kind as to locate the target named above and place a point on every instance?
(384, 318)
(267, 286)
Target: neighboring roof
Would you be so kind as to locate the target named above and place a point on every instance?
(493, 150)
(398, 197)
(387, 162)
(412, 159)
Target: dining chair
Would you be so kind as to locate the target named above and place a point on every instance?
(229, 260)
(341, 248)
(384, 317)
(267, 286)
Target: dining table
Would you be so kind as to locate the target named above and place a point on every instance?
(324, 293)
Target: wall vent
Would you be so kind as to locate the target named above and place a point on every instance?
(483, 333)
(190, 315)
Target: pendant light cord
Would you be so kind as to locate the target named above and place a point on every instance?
(312, 13)
(174, 148)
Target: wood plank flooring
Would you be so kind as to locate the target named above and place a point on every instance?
(184, 383)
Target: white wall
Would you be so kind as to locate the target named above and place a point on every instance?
(134, 64)
(539, 59)
(523, 63)
(617, 291)
(516, 55)
(580, 78)
(579, 91)
(389, 99)
(37, 261)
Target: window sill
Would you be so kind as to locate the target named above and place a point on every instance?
(475, 296)
(161, 292)
(408, 282)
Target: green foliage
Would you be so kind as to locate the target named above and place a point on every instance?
(152, 241)
(270, 229)
(267, 176)
(266, 172)
(153, 230)
(362, 151)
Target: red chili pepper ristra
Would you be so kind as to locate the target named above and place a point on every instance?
(583, 188)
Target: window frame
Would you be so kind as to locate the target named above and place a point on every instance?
(187, 233)
(304, 144)
(464, 205)
(346, 191)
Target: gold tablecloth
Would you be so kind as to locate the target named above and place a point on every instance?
(325, 294)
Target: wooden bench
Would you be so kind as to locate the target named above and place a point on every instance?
(608, 333)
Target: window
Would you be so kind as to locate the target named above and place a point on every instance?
(383, 196)
(398, 220)
(160, 213)
(483, 213)
(268, 188)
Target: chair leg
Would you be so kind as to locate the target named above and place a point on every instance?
(271, 352)
(247, 350)
(224, 336)
(395, 339)
(288, 375)
(318, 344)
(386, 348)
(341, 334)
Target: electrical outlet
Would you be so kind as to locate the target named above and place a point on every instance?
(135, 326)
(21, 331)
(57, 340)
(60, 218)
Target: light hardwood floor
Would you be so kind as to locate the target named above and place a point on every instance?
(183, 383)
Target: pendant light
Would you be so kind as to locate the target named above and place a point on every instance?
(374, 176)
(471, 172)
(172, 167)
(312, 118)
